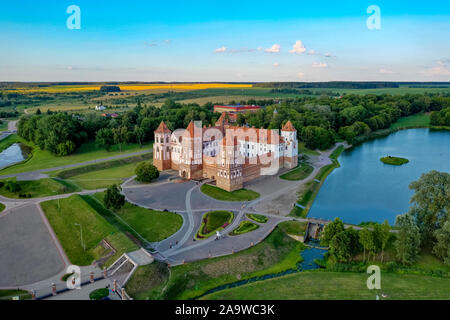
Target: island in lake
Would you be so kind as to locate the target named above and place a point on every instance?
(395, 161)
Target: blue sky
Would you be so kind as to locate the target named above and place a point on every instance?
(224, 41)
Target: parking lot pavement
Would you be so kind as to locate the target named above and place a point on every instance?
(28, 253)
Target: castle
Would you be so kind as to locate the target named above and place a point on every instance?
(230, 155)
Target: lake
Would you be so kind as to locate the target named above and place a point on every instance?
(365, 189)
(11, 155)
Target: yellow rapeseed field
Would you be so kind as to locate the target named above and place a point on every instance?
(133, 87)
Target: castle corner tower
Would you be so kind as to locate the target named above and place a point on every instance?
(161, 148)
(290, 154)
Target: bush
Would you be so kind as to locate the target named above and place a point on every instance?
(113, 198)
(146, 172)
(99, 294)
(12, 186)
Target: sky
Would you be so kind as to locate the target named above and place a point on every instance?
(232, 41)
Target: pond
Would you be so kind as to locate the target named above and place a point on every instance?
(13, 154)
(365, 189)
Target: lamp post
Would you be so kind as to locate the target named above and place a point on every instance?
(81, 236)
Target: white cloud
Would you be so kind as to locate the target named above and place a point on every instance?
(221, 49)
(312, 52)
(168, 41)
(69, 68)
(298, 47)
(319, 65)
(273, 49)
(276, 64)
(385, 71)
(150, 44)
(442, 69)
(300, 75)
(329, 55)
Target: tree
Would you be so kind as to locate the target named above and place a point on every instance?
(105, 138)
(331, 230)
(384, 236)
(113, 198)
(339, 248)
(139, 133)
(442, 247)
(366, 240)
(38, 111)
(431, 203)
(408, 239)
(317, 137)
(120, 136)
(146, 172)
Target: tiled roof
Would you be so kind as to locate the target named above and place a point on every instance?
(162, 128)
(288, 127)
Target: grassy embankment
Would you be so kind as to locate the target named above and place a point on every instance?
(213, 221)
(244, 227)
(9, 294)
(277, 253)
(41, 159)
(152, 225)
(312, 187)
(102, 174)
(301, 172)
(338, 285)
(63, 216)
(38, 188)
(220, 194)
(2, 207)
(9, 140)
(395, 161)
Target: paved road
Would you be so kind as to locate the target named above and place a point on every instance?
(28, 252)
(30, 174)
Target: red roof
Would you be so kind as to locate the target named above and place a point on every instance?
(288, 127)
(162, 128)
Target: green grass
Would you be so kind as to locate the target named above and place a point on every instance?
(277, 253)
(304, 150)
(40, 188)
(104, 178)
(244, 227)
(220, 194)
(9, 294)
(148, 281)
(2, 207)
(151, 224)
(41, 159)
(63, 215)
(395, 161)
(257, 217)
(334, 285)
(416, 120)
(299, 173)
(213, 221)
(293, 227)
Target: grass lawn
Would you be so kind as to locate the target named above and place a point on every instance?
(304, 150)
(9, 294)
(2, 207)
(277, 253)
(237, 195)
(148, 281)
(416, 120)
(95, 228)
(257, 217)
(151, 224)
(244, 227)
(293, 227)
(301, 172)
(39, 188)
(104, 178)
(335, 285)
(213, 221)
(395, 161)
(41, 159)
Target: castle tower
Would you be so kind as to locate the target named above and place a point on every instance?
(290, 152)
(191, 158)
(161, 148)
(229, 166)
